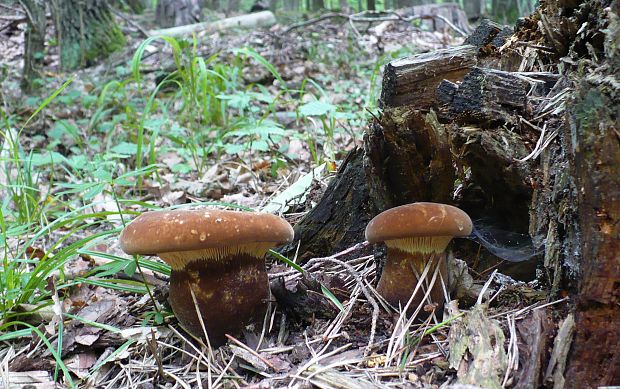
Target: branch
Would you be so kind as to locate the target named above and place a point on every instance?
(361, 17)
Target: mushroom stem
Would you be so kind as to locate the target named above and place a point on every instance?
(231, 293)
(401, 275)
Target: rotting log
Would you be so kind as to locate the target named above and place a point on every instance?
(253, 20)
(492, 97)
(412, 81)
(408, 159)
(484, 34)
(485, 96)
(593, 150)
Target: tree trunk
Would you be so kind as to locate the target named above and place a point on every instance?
(171, 13)
(474, 8)
(370, 5)
(86, 31)
(233, 6)
(318, 5)
(34, 51)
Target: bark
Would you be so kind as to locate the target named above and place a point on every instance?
(594, 162)
(486, 97)
(339, 220)
(171, 13)
(233, 6)
(86, 31)
(413, 80)
(34, 51)
(576, 207)
(408, 159)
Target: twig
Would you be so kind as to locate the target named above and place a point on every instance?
(360, 17)
(248, 349)
(367, 294)
(11, 8)
(151, 344)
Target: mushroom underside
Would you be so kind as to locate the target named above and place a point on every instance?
(230, 294)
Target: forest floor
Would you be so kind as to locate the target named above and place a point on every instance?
(277, 113)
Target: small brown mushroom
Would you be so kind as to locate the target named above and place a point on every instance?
(416, 235)
(217, 254)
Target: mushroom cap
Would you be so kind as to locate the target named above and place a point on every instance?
(185, 230)
(418, 220)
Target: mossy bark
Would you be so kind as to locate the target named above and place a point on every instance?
(86, 31)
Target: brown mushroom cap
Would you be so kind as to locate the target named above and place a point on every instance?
(185, 230)
(418, 220)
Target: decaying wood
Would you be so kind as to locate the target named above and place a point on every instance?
(304, 301)
(484, 34)
(408, 159)
(534, 333)
(413, 80)
(38, 379)
(253, 20)
(554, 373)
(477, 349)
(340, 218)
(593, 149)
(486, 96)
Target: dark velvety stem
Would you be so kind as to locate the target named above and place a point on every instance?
(399, 279)
(231, 294)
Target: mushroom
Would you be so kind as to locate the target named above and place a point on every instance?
(219, 256)
(415, 235)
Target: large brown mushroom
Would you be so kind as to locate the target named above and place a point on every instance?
(219, 255)
(416, 235)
